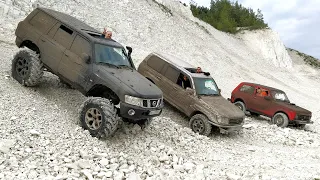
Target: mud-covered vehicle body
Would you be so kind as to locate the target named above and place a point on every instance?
(97, 67)
(274, 103)
(201, 101)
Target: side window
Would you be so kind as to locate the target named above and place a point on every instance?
(247, 89)
(80, 45)
(155, 63)
(42, 22)
(172, 74)
(64, 36)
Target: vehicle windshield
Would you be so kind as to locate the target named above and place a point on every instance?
(111, 55)
(280, 96)
(206, 86)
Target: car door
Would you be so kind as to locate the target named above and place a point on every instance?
(73, 66)
(246, 93)
(259, 103)
(175, 94)
(54, 44)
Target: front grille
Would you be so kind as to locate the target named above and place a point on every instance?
(151, 103)
(304, 117)
(235, 121)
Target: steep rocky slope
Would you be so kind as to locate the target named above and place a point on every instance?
(41, 138)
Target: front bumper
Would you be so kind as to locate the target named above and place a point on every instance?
(139, 112)
(302, 122)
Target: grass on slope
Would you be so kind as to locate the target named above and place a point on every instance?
(312, 61)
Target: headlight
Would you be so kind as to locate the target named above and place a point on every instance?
(133, 100)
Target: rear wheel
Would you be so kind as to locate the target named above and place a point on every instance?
(241, 106)
(199, 123)
(27, 68)
(280, 119)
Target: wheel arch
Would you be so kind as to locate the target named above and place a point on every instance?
(29, 44)
(100, 90)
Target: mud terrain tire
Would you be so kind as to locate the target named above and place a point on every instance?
(280, 119)
(241, 106)
(99, 116)
(27, 68)
(199, 123)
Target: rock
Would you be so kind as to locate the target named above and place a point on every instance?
(118, 175)
(132, 167)
(124, 166)
(175, 158)
(104, 162)
(6, 145)
(232, 176)
(179, 168)
(72, 166)
(133, 176)
(84, 164)
(13, 118)
(188, 166)
(84, 154)
(164, 158)
(34, 132)
(114, 166)
(100, 155)
(136, 129)
(67, 160)
(87, 174)
(108, 174)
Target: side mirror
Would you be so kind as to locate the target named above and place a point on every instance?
(190, 91)
(129, 50)
(267, 98)
(219, 90)
(86, 58)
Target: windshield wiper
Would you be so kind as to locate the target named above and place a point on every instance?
(125, 66)
(109, 64)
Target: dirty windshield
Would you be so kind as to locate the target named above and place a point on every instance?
(111, 55)
(280, 96)
(206, 86)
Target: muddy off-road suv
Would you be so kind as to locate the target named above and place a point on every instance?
(99, 68)
(194, 93)
(271, 102)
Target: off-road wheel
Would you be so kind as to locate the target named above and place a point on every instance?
(280, 119)
(27, 68)
(99, 116)
(199, 123)
(241, 106)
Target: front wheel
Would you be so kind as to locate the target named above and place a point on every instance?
(99, 117)
(241, 106)
(199, 123)
(280, 119)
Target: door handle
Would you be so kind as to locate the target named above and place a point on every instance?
(158, 77)
(66, 55)
(43, 40)
(175, 88)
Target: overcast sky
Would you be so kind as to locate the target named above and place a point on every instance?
(296, 21)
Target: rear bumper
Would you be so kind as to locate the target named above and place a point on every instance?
(139, 112)
(18, 41)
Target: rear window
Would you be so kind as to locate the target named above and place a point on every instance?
(156, 63)
(64, 36)
(172, 74)
(42, 22)
(247, 89)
